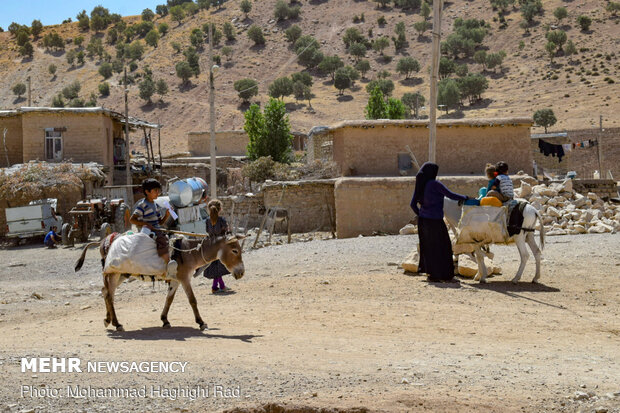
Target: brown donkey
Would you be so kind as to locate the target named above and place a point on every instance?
(191, 256)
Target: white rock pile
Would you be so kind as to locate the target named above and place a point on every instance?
(565, 211)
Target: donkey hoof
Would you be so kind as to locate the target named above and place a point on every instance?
(483, 281)
(166, 325)
(106, 322)
(203, 327)
(120, 328)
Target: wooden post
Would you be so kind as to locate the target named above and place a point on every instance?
(161, 165)
(152, 152)
(437, 6)
(598, 145)
(146, 144)
(212, 149)
(29, 92)
(128, 179)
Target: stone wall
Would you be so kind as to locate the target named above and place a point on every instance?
(247, 212)
(14, 140)
(311, 204)
(371, 148)
(368, 205)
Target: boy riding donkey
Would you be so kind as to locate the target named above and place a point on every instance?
(147, 215)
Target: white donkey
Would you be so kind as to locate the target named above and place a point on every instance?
(453, 211)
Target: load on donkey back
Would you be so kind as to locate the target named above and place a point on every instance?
(147, 253)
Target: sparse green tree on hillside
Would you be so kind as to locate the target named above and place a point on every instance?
(36, 27)
(560, 13)
(584, 22)
(342, 80)
(269, 133)
(246, 7)
(293, 33)
(148, 15)
(246, 88)
(184, 71)
(19, 89)
(161, 88)
(255, 33)
(363, 66)
(330, 64)
(407, 66)
(281, 87)
(545, 118)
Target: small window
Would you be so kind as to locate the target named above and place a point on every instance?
(53, 145)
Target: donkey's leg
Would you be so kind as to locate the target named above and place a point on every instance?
(520, 241)
(114, 280)
(106, 299)
(187, 286)
(172, 289)
(537, 253)
(482, 268)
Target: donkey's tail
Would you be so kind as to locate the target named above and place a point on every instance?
(542, 230)
(80, 261)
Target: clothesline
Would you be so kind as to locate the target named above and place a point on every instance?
(547, 148)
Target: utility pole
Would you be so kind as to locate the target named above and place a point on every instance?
(432, 147)
(29, 92)
(128, 181)
(212, 148)
(600, 150)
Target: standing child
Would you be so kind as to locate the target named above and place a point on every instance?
(216, 226)
(503, 187)
(147, 215)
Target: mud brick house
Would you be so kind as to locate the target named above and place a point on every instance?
(66, 134)
(464, 146)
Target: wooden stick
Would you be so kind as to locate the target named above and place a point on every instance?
(413, 157)
(191, 234)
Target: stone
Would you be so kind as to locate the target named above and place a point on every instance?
(526, 190)
(551, 211)
(596, 229)
(410, 263)
(557, 231)
(579, 201)
(408, 230)
(580, 229)
(468, 267)
(592, 196)
(601, 409)
(580, 395)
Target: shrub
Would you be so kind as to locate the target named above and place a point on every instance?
(104, 89)
(147, 89)
(363, 66)
(246, 88)
(281, 87)
(152, 38)
(246, 7)
(161, 88)
(357, 50)
(162, 10)
(330, 64)
(229, 31)
(148, 15)
(584, 22)
(52, 69)
(407, 65)
(352, 35)
(105, 70)
(293, 33)
(342, 80)
(36, 27)
(163, 28)
(560, 13)
(19, 89)
(184, 71)
(385, 85)
(255, 33)
(376, 108)
(71, 91)
(414, 101)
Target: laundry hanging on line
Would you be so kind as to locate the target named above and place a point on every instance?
(547, 149)
(585, 144)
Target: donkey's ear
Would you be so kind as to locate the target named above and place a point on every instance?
(235, 239)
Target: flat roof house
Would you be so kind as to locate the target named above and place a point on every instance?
(66, 134)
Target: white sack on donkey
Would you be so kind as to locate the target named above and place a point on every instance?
(134, 254)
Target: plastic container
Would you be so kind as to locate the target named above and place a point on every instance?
(187, 191)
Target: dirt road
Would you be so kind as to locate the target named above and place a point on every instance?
(323, 324)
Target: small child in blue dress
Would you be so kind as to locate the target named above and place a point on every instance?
(216, 226)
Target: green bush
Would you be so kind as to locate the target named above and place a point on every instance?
(104, 89)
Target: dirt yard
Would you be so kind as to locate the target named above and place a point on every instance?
(332, 325)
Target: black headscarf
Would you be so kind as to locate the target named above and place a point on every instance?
(428, 172)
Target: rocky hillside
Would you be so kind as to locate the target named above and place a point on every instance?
(578, 88)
